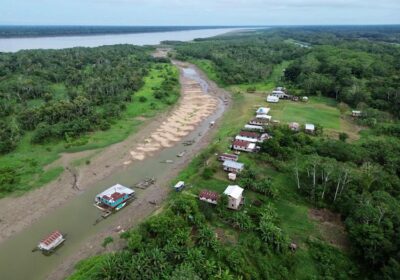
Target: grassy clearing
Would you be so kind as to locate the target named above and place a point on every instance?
(317, 111)
(29, 160)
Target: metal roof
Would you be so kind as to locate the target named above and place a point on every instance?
(234, 191)
(115, 192)
(233, 164)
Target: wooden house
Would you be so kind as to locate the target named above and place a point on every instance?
(233, 166)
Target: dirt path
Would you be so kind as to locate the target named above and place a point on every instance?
(192, 108)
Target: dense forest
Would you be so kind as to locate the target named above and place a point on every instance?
(58, 96)
(17, 31)
(63, 93)
(357, 67)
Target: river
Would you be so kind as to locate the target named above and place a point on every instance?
(154, 38)
(76, 218)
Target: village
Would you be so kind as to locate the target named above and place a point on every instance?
(248, 140)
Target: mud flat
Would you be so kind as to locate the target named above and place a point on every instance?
(59, 205)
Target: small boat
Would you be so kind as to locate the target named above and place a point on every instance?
(188, 142)
(145, 183)
(181, 154)
(51, 242)
(179, 186)
(167, 161)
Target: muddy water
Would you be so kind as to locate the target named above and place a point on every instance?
(76, 218)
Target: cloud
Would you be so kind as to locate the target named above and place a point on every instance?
(199, 12)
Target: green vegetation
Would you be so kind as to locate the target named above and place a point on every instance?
(24, 161)
(295, 174)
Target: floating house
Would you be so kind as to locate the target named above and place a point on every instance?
(272, 99)
(114, 198)
(235, 195)
(263, 111)
(233, 166)
(245, 146)
(251, 127)
(223, 157)
(310, 128)
(51, 242)
(209, 196)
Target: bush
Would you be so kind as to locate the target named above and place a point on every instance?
(142, 99)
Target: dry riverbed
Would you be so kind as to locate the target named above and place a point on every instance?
(155, 135)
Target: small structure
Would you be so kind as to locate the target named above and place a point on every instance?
(51, 242)
(250, 134)
(233, 166)
(272, 99)
(223, 157)
(356, 114)
(264, 117)
(259, 121)
(179, 186)
(294, 126)
(245, 146)
(114, 198)
(263, 111)
(310, 128)
(304, 99)
(243, 138)
(251, 127)
(263, 137)
(235, 194)
(232, 176)
(280, 94)
(209, 196)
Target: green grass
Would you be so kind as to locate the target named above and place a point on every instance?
(29, 160)
(317, 111)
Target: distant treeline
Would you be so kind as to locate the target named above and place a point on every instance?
(46, 31)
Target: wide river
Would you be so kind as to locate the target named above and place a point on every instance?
(154, 38)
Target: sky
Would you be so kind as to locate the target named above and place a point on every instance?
(198, 12)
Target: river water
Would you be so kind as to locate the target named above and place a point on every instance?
(77, 217)
(154, 38)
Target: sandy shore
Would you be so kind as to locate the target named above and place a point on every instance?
(164, 131)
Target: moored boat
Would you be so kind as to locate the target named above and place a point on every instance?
(114, 198)
(51, 242)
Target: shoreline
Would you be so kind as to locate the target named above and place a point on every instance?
(133, 216)
(16, 218)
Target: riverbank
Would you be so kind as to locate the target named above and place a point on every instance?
(107, 166)
(156, 194)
